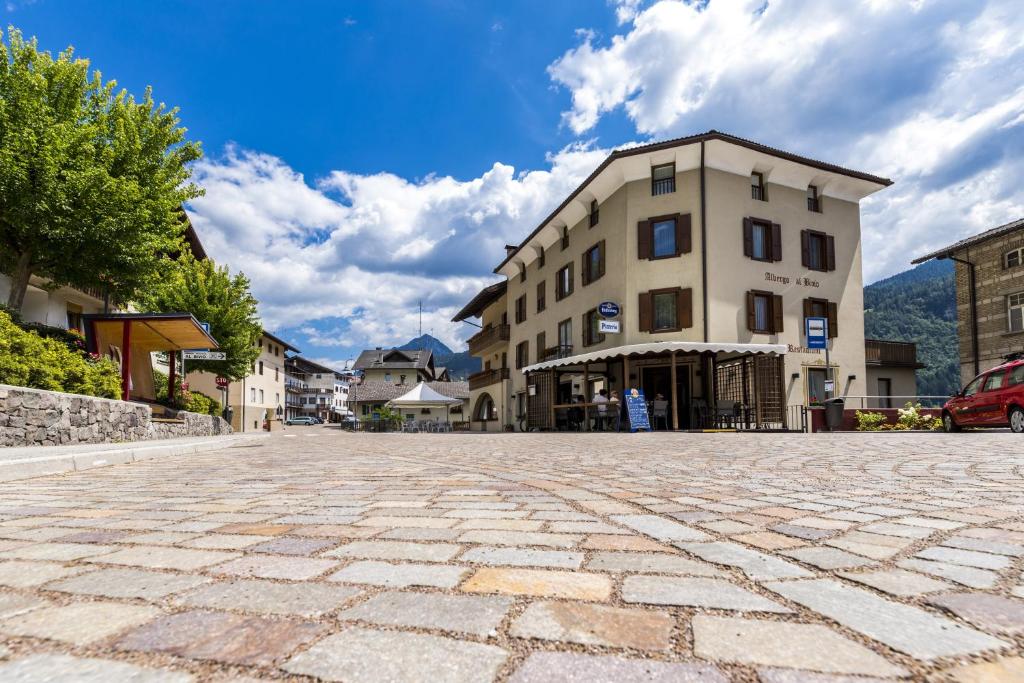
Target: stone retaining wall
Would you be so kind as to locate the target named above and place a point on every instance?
(32, 417)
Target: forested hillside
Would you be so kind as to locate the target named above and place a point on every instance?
(919, 305)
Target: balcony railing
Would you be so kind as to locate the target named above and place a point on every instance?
(486, 378)
(488, 337)
(663, 186)
(555, 352)
(878, 352)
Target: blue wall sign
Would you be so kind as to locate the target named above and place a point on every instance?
(817, 333)
(636, 408)
(608, 309)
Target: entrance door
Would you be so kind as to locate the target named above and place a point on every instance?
(658, 380)
(816, 386)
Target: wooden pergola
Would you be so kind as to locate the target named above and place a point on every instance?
(144, 333)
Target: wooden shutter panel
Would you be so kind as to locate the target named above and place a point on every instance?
(805, 248)
(684, 238)
(833, 319)
(572, 280)
(808, 308)
(643, 239)
(585, 268)
(776, 242)
(776, 313)
(748, 237)
(600, 262)
(644, 306)
(830, 252)
(684, 308)
(751, 313)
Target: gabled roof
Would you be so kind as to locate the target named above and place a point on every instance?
(971, 241)
(378, 391)
(282, 342)
(305, 366)
(862, 183)
(394, 359)
(484, 298)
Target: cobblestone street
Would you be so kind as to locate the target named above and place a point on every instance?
(319, 554)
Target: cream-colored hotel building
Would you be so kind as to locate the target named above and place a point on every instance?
(714, 249)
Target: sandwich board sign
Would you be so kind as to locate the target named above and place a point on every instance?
(636, 408)
(817, 333)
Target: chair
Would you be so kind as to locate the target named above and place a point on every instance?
(727, 413)
(659, 413)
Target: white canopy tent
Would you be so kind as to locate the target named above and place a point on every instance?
(422, 396)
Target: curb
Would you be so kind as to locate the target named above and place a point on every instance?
(26, 468)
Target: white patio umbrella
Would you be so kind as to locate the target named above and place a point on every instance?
(422, 396)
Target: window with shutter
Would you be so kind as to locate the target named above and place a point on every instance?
(822, 308)
(684, 308)
(595, 214)
(522, 272)
(565, 238)
(757, 190)
(541, 347)
(813, 201)
(593, 263)
(818, 251)
(522, 354)
(748, 237)
(644, 311)
(563, 282)
(777, 326)
(833, 319)
(684, 238)
(764, 312)
(758, 240)
(776, 242)
(521, 309)
(663, 238)
(541, 295)
(592, 328)
(643, 239)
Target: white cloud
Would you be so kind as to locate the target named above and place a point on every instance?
(347, 260)
(929, 93)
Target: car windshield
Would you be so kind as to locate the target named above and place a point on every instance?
(972, 388)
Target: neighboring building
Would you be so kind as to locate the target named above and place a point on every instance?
(715, 249)
(315, 390)
(370, 396)
(891, 373)
(399, 366)
(989, 296)
(258, 398)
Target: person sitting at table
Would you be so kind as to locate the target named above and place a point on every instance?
(601, 401)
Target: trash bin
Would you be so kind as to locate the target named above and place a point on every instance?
(834, 413)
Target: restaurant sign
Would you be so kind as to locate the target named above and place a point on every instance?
(608, 309)
(636, 408)
(613, 326)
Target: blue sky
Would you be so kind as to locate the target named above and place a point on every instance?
(361, 156)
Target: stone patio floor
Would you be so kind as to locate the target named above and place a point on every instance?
(322, 555)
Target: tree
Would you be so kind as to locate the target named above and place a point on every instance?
(212, 295)
(91, 181)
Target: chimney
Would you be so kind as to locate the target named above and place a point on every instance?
(510, 249)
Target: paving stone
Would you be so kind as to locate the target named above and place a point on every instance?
(224, 541)
(805, 532)
(770, 675)
(1003, 670)
(626, 543)
(335, 531)
(256, 529)
(966, 558)
(292, 546)
(25, 574)
(798, 646)
(901, 530)
(523, 557)
(128, 583)
(541, 583)
(901, 627)
(362, 656)
(158, 557)
(269, 597)
(500, 524)
(271, 567)
(13, 604)
(80, 623)
(541, 538)
(595, 625)
(412, 522)
(400, 575)
(397, 550)
(407, 534)
(476, 615)
(826, 558)
(59, 552)
(660, 528)
(754, 564)
(570, 667)
(984, 610)
(968, 576)
(768, 540)
(985, 546)
(695, 592)
(897, 582)
(650, 563)
(222, 637)
(94, 537)
(57, 667)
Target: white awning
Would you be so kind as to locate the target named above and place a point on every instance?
(658, 347)
(422, 396)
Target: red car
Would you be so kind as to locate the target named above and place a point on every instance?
(994, 398)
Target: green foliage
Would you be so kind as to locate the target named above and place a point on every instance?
(29, 360)
(212, 295)
(910, 418)
(919, 306)
(184, 398)
(91, 180)
(386, 415)
(869, 422)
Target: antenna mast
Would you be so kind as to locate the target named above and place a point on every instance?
(421, 317)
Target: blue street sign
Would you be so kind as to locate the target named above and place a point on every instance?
(636, 409)
(608, 309)
(817, 333)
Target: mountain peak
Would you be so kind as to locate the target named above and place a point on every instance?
(427, 342)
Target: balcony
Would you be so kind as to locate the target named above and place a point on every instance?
(555, 352)
(485, 378)
(891, 353)
(487, 338)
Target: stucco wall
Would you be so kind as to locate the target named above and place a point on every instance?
(31, 417)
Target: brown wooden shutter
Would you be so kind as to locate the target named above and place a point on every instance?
(833, 319)
(808, 308)
(776, 313)
(748, 237)
(644, 306)
(684, 238)
(751, 313)
(684, 308)
(600, 251)
(776, 242)
(830, 252)
(643, 239)
(585, 268)
(572, 280)
(805, 248)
